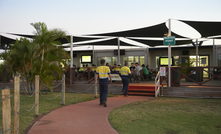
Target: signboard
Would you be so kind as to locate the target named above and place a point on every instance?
(169, 40)
(162, 71)
(115, 77)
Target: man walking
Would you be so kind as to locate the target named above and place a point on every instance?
(103, 72)
(125, 74)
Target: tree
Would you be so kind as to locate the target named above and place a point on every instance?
(49, 53)
(19, 59)
(38, 57)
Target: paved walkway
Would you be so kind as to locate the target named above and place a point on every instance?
(82, 118)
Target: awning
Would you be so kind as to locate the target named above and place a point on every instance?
(153, 43)
(6, 40)
(205, 28)
(101, 42)
(152, 31)
(62, 40)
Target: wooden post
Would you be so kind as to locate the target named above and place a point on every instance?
(63, 89)
(95, 91)
(6, 110)
(16, 104)
(36, 95)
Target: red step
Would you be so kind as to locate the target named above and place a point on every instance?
(143, 94)
(141, 90)
(141, 87)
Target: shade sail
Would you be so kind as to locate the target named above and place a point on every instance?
(6, 40)
(62, 40)
(205, 28)
(160, 42)
(152, 31)
(104, 42)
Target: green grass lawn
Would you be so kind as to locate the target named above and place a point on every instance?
(45, 106)
(168, 116)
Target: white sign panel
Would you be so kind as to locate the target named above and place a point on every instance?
(162, 71)
(115, 77)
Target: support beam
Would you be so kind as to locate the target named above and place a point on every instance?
(118, 50)
(93, 55)
(169, 56)
(197, 53)
(71, 54)
(71, 51)
(214, 53)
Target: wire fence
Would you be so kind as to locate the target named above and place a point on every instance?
(51, 98)
(27, 93)
(54, 86)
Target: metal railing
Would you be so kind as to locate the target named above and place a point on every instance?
(157, 85)
(194, 76)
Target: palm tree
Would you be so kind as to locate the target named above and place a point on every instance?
(38, 57)
(49, 52)
(19, 59)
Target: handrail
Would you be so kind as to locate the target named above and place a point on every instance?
(157, 84)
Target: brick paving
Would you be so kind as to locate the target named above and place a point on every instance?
(82, 118)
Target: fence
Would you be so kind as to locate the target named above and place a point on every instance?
(7, 107)
(182, 76)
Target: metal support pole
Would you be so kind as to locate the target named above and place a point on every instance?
(197, 53)
(146, 53)
(214, 53)
(93, 55)
(71, 54)
(118, 50)
(169, 56)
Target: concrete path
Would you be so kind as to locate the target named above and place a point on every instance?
(82, 118)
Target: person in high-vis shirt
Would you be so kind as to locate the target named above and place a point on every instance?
(102, 72)
(125, 74)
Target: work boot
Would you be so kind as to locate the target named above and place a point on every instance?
(104, 103)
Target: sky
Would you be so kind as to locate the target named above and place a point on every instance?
(82, 17)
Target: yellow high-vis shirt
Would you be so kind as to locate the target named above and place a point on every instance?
(125, 71)
(103, 72)
(93, 68)
(116, 68)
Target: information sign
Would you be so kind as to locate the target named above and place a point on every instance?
(169, 40)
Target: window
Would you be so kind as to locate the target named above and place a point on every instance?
(142, 60)
(157, 62)
(114, 61)
(176, 60)
(219, 60)
(136, 59)
(130, 60)
(110, 60)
